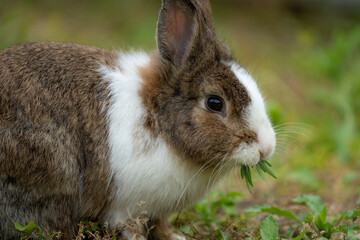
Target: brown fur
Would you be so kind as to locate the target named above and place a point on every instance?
(174, 88)
(53, 150)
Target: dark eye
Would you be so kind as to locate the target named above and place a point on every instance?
(215, 104)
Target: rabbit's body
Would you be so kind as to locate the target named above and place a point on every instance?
(88, 134)
(99, 150)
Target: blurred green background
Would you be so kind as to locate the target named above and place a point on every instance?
(304, 54)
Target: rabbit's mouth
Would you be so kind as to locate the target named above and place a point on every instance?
(246, 154)
(250, 154)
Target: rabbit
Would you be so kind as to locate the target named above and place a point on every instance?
(87, 133)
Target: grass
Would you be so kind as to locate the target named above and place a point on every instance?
(308, 67)
(261, 167)
(313, 224)
(309, 221)
(217, 220)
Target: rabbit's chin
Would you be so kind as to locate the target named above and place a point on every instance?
(246, 154)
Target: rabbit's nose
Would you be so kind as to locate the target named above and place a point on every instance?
(267, 142)
(266, 151)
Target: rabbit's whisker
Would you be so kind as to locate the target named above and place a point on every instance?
(197, 173)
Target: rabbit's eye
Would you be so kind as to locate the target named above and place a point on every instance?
(215, 104)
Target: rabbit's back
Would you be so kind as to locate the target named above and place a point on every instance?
(53, 133)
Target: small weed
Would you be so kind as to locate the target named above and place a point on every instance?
(314, 225)
(28, 232)
(207, 220)
(136, 225)
(269, 228)
(215, 219)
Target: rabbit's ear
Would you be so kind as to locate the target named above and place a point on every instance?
(179, 28)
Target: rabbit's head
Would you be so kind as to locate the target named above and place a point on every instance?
(205, 105)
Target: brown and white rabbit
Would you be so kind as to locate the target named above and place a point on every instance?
(87, 133)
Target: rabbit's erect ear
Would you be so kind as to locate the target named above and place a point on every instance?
(179, 25)
(175, 29)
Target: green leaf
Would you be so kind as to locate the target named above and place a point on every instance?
(256, 208)
(248, 176)
(226, 201)
(300, 237)
(259, 170)
(220, 235)
(350, 234)
(290, 231)
(94, 226)
(269, 228)
(267, 163)
(265, 166)
(114, 236)
(281, 212)
(312, 201)
(308, 217)
(58, 234)
(27, 230)
(273, 210)
(19, 227)
(185, 229)
(245, 173)
(262, 166)
(40, 233)
(234, 195)
(350, 214)
(320, 219)
(248, 187)
(349, 231)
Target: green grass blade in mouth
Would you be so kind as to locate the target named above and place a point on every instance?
(245, 173)
(265, 166)
(248, 176)
(261, 167)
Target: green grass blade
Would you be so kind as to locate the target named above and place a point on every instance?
(245, 173)
(259, 170)
(248, 186)
(242, 171)
(261, 167)
(266, 169)
(267, 163)
(248, 176)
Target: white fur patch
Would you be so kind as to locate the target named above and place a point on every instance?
(257, 120)
(143, 169)
(247, 154)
